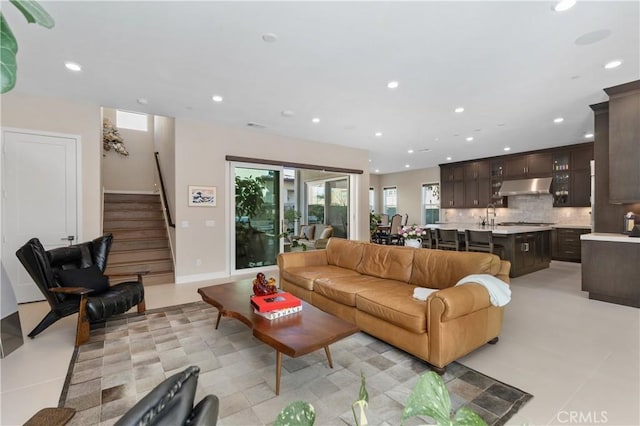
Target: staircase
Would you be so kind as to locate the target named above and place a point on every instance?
(140, 240)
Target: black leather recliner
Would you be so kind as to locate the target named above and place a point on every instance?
(171, 404)
(84, 265)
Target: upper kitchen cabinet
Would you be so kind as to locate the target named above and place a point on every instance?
(452, 186)
(528, 166)
(571, 185)
(624, 142)
(477, 183)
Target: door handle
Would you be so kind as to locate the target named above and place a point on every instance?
(69, 238)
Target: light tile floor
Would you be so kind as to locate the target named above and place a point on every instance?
(579, 358)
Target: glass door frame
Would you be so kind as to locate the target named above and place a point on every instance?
(231, 224)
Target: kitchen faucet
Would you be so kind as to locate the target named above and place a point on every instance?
(493, 212)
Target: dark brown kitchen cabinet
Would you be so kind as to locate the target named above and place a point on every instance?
(452, 195)
(624, 142)
(497, 173)
(571, 185)
(528, 166)
(566, 243)
(452, 173)
(477, 183)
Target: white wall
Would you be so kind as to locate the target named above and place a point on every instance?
(165, 145)
(409, 185)
(135, 172)
(200, 160)
(76, 118)
(374, 182)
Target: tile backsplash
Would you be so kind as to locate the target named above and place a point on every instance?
(525, 208)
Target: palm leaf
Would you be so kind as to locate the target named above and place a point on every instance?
(34, 13)
(8, 51)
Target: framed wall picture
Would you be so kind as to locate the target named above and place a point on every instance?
(202, 196)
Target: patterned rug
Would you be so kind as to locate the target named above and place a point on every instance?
(129, 355)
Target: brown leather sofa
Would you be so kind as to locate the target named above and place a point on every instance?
(372, 286)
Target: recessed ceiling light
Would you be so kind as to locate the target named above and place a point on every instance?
(469, 139)
(563, 5)
(142, 101)
(506, 148)
(407, 166)
(217, 98)
(410, 151)
(72, 66)
(613, 64)
(448, 158)
(392, 84)
(378, 134)
(369, 159)
(377, 170)
(588, 135)
(558, 120)
(459, 110)
(269, 37)
(315, 120)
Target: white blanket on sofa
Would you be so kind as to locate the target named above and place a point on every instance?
(499, 291)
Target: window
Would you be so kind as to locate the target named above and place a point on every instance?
(131, 120)
(390, 200)
(431, 202)
(372, 199)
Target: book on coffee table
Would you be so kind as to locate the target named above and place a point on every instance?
(278, 313)
(272, 302)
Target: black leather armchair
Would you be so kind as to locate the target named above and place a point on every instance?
(171, 404)
(66, 276)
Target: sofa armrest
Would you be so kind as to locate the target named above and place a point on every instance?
(455, 302)
(503, 274)
(302, 258)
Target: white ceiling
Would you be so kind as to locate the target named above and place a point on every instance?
(514, 67)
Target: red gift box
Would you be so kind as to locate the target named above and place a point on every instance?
(272, 302)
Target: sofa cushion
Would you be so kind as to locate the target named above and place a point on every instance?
(344, 253)
(344, 289)
(390, 262)
(394, 303)
(442, 269)
(304, 276)
(306, 232)
(323, 232)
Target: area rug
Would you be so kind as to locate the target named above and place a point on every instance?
(129, 355)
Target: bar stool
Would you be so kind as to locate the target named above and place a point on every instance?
(427, 239)
(481, 241)
(447, 239)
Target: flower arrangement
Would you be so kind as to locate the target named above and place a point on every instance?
(412, 232)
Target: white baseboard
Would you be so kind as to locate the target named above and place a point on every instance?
(185, 279)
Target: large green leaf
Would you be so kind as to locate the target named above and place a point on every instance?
(34, 13)
(466, 417)
(429, 398)
(8, 51)
(298, 413)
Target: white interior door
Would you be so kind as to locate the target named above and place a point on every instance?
(40, 199)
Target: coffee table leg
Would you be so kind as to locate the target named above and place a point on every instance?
(218, 321)
(326, 350)
(278, 371)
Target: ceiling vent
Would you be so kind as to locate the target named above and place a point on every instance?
(425, 150)
(256, 125)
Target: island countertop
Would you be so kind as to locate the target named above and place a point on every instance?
(497, 229)
(613, 238)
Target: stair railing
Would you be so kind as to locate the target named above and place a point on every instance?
(164, 192)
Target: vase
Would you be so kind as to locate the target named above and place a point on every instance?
(417, 243)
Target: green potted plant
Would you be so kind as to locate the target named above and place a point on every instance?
(429, 397)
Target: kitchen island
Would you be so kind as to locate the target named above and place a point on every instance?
(611, 268)
(528, 248)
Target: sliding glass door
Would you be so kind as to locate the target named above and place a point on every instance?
(257, 205)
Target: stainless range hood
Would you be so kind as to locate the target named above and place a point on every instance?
(534, 186)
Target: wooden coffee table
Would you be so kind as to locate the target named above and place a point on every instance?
(293, 335)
